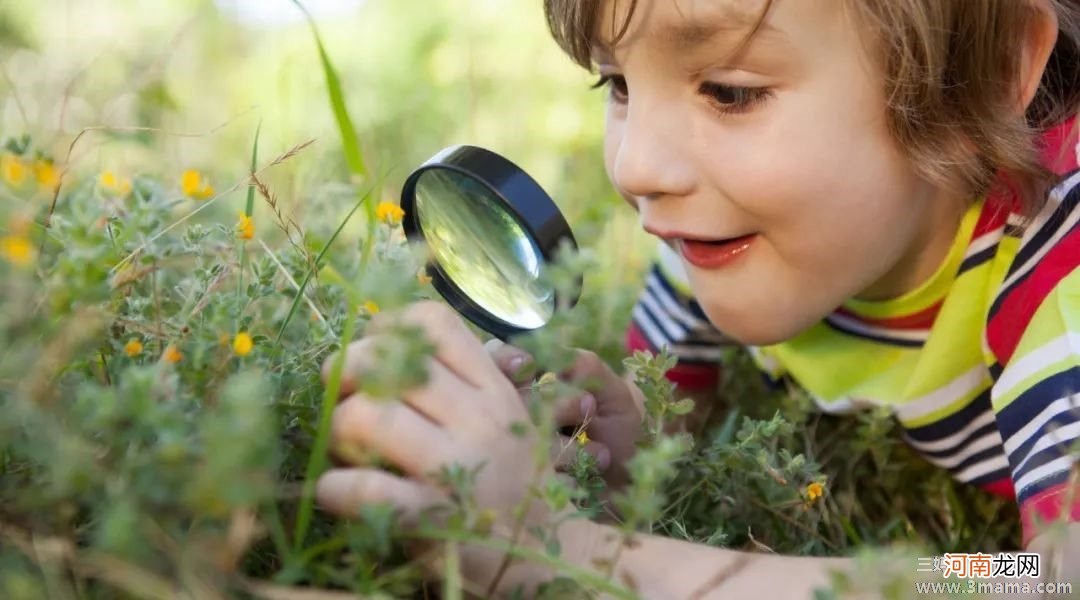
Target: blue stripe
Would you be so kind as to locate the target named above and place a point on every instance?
(876, 338)
(1034, 400)
(1002, 473)
(1068, 204)
(952, 451)
(977, 259)
(980, 456)
(949, 425)
(1056, 478)
(690, 305)
(995, 370)
(1050, 227)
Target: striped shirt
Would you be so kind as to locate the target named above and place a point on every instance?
(980, 364)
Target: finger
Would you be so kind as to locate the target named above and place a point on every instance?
(443, 397)
(455, 345)
(566, 450)
(516, 364)
(392, 430)
(574, 410)
(344, 491)
(358, 357)
(592, 374)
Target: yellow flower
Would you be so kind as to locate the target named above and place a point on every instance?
(370, 307)
(133, 348)
(117, 185)
(422, 277)
(194, 186)
(14, 169)
(172, 355)
(47, 175)
(242, 344)
(246, 227)
(582, 438)
(17, 250)
(814, 491)
(389, 213)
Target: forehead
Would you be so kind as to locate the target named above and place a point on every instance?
(676, 23)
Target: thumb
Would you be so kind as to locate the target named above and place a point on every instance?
(516, 364)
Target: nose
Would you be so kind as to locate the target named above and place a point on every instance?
(652, 153)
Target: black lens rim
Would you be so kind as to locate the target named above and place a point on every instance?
(527, 203)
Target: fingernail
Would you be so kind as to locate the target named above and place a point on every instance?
(588, 405)
(603, 458)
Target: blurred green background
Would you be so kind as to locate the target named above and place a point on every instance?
(418, 76)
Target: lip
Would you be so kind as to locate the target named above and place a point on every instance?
(713, 255)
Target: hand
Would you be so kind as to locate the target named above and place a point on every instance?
(462, 415)
(610, 410)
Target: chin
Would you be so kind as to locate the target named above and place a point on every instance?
(760, 330)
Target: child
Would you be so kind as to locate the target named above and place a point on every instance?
(878, 197)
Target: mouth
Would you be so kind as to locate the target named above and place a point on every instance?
(713, 254)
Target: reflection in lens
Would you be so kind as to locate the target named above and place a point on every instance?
(483, 248)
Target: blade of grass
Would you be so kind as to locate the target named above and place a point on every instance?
(247, 211)
(317, 460)
(315, 266)
(353, 158)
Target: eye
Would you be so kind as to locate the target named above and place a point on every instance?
(728, 99)
(617, 88)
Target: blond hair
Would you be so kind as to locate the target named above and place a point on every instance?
(950, 68)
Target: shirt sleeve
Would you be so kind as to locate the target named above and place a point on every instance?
(666, 315)
(1034, 335)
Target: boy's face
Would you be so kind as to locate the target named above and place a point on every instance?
(783, 146)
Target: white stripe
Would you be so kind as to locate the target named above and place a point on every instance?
(1062, 436)
(671, 263)
(663, 318)
(1049, 469)
(995, 463)
(1049, 353)
(990, 440)
(984, 241)
(1036, 424)
(846, 404)
(676, 310)
(943, 396)
(656, 339)
(953, 440)
(845, 322)
(1056, 197)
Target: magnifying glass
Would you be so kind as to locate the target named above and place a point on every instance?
(492, 232)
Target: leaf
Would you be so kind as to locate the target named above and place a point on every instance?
(353, 158)
(682, 407)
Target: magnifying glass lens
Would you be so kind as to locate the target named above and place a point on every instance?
(483, 249)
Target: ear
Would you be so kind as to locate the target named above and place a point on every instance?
(1039, 41)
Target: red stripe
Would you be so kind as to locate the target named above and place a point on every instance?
(686, 376)
(923, 319)
(993, 216)
(1057, 152)
(1005, 328)
(1059, 146)
(1049, 506)
(1002, 487)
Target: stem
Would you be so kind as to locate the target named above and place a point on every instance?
(519, 525)
(317, 458)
